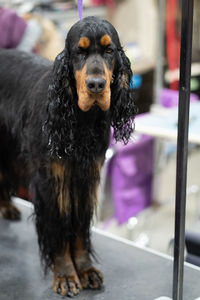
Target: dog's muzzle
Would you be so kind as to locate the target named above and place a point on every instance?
(93, 89)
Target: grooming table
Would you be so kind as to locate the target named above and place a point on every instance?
(130, 272)
(162, 123)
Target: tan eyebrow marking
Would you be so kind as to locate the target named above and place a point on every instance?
(105, 40)
(84, 42)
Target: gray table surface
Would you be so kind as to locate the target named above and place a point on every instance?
(130, 272)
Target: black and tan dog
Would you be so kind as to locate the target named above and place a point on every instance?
(54, 131)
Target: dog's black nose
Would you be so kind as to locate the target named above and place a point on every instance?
(96, 84)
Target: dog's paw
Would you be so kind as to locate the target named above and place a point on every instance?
(91, 278)
(67, 285)
(10, 211)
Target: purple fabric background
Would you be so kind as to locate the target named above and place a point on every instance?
(169, 98)
(131, 171)
(12, 28)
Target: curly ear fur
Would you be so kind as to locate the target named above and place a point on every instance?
(123, 108)
(61, 107)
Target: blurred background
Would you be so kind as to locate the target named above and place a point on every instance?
(137, 192)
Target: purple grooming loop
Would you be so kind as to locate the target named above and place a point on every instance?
(80, 9)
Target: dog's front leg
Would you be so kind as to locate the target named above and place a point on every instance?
(54, 231)
(90, 276)
(66, 281)
(7, 209)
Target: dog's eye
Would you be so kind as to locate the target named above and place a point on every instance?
(81, 51)
(109, 50)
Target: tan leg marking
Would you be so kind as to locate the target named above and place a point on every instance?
(61, 176)
(90, 277)
(66, 281)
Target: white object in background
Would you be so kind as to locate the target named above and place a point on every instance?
(163, 298)
(31, 36)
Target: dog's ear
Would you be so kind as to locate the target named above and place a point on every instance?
(123, 108)
(61, 107)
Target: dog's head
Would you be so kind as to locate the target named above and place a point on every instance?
(93, 45)
(93, 70)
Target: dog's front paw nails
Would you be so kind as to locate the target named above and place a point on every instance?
(67, 285)
(10, 211)
(91, 278)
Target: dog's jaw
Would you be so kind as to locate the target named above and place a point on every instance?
(87, 100)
